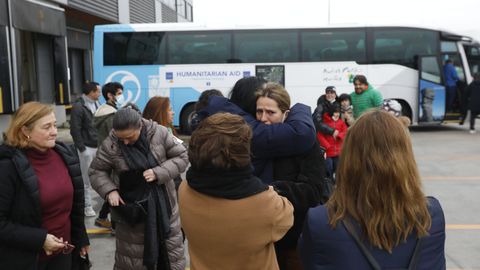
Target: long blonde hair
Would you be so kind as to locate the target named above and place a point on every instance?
(26, 115)
(378, 183)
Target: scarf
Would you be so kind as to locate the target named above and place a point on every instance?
(91, 104)
(157, 225)
(232, 184)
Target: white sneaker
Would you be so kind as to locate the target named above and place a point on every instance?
(89, 212)
(473, 131)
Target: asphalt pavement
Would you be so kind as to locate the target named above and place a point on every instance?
(448, 158)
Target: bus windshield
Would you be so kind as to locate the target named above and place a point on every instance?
(473, 57)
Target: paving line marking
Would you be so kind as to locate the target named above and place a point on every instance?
(99, 231)
(450, 177)
(462, 226)
(463, 268)
(447, 158)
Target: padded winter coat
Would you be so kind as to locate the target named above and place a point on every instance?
(172, 158)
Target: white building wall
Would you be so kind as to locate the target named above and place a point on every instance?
(123, 11)
(158, 11)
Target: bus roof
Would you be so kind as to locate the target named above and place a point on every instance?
(145, 27)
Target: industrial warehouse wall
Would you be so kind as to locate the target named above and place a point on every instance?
(107, 9)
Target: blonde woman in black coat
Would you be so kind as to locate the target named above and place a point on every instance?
(41, 195)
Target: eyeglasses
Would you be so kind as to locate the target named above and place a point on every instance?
(68, 248)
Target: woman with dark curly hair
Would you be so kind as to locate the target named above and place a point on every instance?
(230, 217)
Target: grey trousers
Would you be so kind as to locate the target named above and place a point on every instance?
(86, 158)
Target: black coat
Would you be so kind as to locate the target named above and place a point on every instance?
(81, 126)
(473, 96)
(323, 106)
(300, 178)
(21, 235)
(294, 137)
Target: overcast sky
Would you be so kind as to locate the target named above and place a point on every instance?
(460, 16)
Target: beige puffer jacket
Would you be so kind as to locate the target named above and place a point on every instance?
(173, 159)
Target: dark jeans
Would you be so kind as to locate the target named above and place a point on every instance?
(451, 92)
(58, 262)
(473, 116)
(331, 163)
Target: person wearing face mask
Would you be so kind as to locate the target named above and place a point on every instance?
(102, 121)
(300, 178)
(324, 103)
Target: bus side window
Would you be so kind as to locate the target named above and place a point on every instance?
(306, 55)
(328, 55)
(415, 49)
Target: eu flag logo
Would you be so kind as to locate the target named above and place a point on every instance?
(168, 75)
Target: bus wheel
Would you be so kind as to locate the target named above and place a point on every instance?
(186, 118)
(406, 110)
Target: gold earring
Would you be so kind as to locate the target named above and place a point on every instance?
(28, 137)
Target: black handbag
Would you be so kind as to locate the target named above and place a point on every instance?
(133, 212)
(135, 193)
(81, 263)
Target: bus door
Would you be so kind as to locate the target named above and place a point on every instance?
(431, 91)
(452, 50)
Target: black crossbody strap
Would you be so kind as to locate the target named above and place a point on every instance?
(346, 223)
(413, 260)
(416, 255)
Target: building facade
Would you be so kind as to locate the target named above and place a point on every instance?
(46, 46)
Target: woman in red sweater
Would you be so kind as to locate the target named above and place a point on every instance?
(41, 195)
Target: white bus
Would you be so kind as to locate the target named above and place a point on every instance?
(181, 61)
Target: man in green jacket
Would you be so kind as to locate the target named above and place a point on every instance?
(364, 97)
